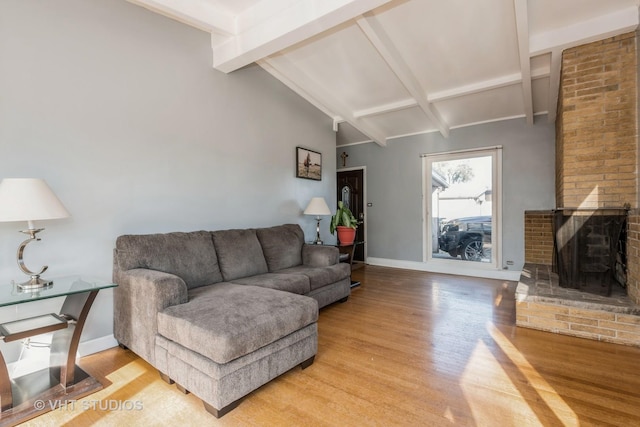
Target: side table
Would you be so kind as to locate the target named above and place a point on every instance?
(62, 380)
(346, 255)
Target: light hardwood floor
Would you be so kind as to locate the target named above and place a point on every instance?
(407, 348)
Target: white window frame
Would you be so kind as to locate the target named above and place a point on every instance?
(496, 207)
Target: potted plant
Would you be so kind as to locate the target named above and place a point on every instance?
(345, 224)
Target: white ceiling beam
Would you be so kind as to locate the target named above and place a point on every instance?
(554, 85)
(197, 13)
(522, 30)
(540, 73)
(301, 20)
(556, 41)
(386, 48)
(262, 11)
(285, 71)
(470, 89)
(275, 72)
(599, 28)
(386, 108)
(478, 87)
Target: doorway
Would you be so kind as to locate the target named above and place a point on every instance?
(462, 194)
(350, 190)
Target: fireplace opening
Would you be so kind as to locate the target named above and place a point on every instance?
(590, 249)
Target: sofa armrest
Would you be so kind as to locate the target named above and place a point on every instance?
(141, 294)
(319, 255)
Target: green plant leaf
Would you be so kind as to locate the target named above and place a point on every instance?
(343, 217)
(332, 225)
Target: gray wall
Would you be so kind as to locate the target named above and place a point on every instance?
(394, 181)
(120, 111)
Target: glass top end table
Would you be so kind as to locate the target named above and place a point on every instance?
(11, 294)
(62, 380)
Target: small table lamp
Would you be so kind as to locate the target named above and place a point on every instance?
(317, 206)
(29, 199)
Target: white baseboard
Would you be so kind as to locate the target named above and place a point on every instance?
(96, 345)
(513, 275)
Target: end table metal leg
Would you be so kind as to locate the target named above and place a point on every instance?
(64, 344)
(6, 396)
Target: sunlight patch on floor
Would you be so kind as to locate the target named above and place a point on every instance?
(99, 406)
(545, 391)
(449, 415)
(483, 382)
(127, 373)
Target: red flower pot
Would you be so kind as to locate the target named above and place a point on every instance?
(346, 235)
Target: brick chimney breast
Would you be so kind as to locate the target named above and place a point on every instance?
(597, 136)
(596, 126)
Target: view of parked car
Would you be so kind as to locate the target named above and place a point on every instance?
(466, 237)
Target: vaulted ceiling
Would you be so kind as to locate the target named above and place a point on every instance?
(390, 68)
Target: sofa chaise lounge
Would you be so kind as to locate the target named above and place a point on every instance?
(222, 313)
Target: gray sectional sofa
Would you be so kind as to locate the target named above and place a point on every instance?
(222, 313)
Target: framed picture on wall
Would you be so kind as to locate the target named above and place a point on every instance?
(308, 164)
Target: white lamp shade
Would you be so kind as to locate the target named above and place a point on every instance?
(317, 206)
(29, 199)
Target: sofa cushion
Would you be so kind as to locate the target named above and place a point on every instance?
(282, 245)
(226, 321)
(321, 276)
(320, 255)
(296, 283)
(191, 256)
(239, 253)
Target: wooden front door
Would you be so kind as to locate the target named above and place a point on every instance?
(351, 193)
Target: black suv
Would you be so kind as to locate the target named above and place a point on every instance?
(466, 237)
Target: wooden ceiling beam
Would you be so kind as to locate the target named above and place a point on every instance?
(477, 87)
(285, 71)
(599, 28)
(522, 31)
(382, 43)
(277, 72)
(299, 21)
(554, 42)
(554, 85)
(196, 13)
(387, 108)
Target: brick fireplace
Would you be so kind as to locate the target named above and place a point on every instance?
(596, 171)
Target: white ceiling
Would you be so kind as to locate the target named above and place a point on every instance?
(401, 67)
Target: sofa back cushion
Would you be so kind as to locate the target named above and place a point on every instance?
(282, 245)
(191, 256)
(239, 253)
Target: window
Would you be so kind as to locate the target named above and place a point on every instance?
(462, 207)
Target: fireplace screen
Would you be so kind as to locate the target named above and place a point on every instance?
(589, 248)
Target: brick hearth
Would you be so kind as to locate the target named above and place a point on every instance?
(542, 304)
